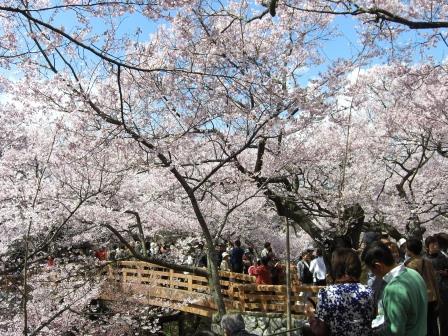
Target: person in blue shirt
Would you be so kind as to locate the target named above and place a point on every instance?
(236, 258)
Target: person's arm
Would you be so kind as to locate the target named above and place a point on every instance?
(300, 271)
(444, 270)
(321, 307)
(313, 265)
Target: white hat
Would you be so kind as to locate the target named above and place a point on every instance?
(225, 254)
(401, 242)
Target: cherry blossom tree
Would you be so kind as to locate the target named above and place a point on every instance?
(182, 92)
(214, 116)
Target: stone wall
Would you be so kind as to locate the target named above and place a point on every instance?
(263, 324)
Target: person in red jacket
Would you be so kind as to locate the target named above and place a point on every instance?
(50, 261)
(263, 272)
(101, 254)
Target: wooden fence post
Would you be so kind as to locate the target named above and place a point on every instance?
(242, 298)
(190, 283)
(171, 278)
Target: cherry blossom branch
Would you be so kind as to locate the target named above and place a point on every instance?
(214, 276)
(231, 210)
(140, 229)
(162, 263)
(51, 319)
(101, 54)
(380, 15)
(285, 206)
(86, 5)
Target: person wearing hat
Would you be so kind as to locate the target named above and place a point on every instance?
(225, 263)
(401, 242)
(384, 237)
(402, 248)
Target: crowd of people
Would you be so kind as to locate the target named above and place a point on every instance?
(265, 266)
(385, 288)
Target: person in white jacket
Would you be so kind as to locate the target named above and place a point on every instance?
(319, 270)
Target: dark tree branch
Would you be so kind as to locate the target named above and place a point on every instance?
(140, 229)
(260, 153)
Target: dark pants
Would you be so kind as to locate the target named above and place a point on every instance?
(433, 328)
(237, 268)
(443, 317)
(321, 282)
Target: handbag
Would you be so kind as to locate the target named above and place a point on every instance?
(319, 327)
(316, 327)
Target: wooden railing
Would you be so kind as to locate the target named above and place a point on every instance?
(154, 285)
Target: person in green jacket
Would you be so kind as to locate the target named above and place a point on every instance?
(403, 306)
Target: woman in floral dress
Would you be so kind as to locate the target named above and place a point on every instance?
(347, 306)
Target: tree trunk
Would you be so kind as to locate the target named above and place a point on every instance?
(214, 281)
(25, 282)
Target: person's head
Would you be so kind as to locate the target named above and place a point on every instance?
(432, 245)
(379, 259)
(308, 255)
(345, 265)
(318, 253)
(370, 237)
(232, 324)
(267, 245)
(414, 247)
(395, 251)
(237, 243)
(443, 240)
(225, 255)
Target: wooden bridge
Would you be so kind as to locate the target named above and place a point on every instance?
(150, 284)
